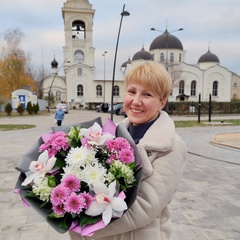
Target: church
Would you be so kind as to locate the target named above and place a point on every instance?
(84, 85)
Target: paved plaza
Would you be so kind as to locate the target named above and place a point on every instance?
(207, 202)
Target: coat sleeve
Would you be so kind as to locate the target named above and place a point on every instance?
(155, 193)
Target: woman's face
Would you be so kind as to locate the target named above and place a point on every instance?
(141, 105)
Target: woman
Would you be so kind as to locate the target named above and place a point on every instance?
(163, 152)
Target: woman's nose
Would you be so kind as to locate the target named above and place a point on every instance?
(137, 99)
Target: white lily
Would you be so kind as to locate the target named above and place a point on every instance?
(105, 203)
(95, 134)
(39, 168)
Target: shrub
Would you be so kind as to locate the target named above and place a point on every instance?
(35, 108)
(29, 108)
(8, 109)
(20, 109)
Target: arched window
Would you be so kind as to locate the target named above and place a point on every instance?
(193, 88)
(80, 90)
(162, 57)
(181, 87)
(99, 90)
(235, 85)
(78, 30)
(215, 88)
(116, 91)
(58, 96)
(79, 72)
(171, 57)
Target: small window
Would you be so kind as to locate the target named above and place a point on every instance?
(172, 57)
(79, 72)
(180, 57)
(181, 87)
(193, 88)
(116, 91)
(80, 90)
(99, 90)
(162, 57)
(215, 88)
(235, 85)
(58, 96)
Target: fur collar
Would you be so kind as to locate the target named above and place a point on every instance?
(159, 136)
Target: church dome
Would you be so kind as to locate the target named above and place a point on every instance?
(54, 63)
(166, 39)
(208, 57)
(142, 55)
(125, 63)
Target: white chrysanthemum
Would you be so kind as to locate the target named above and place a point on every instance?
(69, 170)
(42, 189)
(79, 157)
(94, 173)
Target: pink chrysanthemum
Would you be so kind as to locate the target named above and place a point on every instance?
(112, 157)
(59, 194)
(71, 182)
(56, 142)
(111, 144)
(59, 209)
(74, 203)
(87, 199)
(122, 143)
(126, 156)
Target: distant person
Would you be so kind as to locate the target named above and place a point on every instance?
(59, 116)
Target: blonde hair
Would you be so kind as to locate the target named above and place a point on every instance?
(152, 75)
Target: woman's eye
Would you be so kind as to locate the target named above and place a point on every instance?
(147, 94)
(131, 91)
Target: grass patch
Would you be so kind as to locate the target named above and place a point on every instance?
(193, 123)
(26, 114)
(8, 127)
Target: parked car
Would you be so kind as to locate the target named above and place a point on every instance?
(63, 106)
(117, 108)
(123, 113)
(100, 109)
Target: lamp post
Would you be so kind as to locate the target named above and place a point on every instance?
(52, 84)
(167, 33)
(104, 76)
(123, 14)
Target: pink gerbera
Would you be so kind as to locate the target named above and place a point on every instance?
(59, 194)
(74, 203)
(71, 182)
(126, 156)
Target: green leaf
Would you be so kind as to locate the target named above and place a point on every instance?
(85, 219)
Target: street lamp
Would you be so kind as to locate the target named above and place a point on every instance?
(52, 84)
(167, 33)
(123, 14)
(104, 72)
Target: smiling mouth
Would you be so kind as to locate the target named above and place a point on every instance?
(136, 110)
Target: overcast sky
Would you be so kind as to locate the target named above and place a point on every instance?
(214, 23)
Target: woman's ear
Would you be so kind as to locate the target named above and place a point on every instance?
(163, 103)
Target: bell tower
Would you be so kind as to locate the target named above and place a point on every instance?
(78, 50)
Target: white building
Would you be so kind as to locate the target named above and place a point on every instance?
(84, 84)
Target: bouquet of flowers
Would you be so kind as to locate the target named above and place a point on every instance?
(81, 177)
